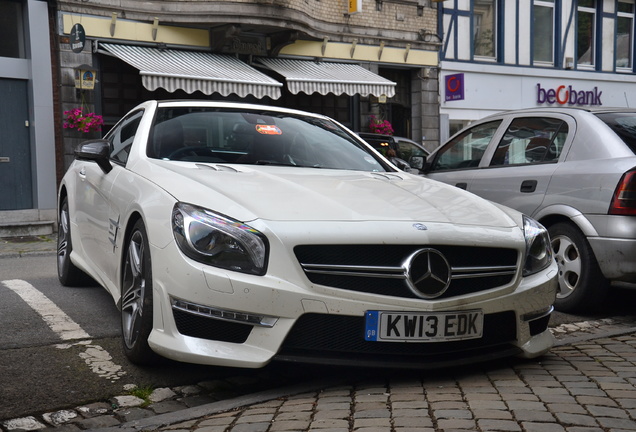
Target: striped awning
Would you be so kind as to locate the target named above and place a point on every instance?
(192, 71)
(326, 77)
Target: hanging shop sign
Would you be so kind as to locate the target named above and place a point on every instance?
(85, 77)
(78, 38)
(567, 95)
(355, 6)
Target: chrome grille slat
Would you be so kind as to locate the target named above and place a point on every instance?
(364, 271)
(399, 273)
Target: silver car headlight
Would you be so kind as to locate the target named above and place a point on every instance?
(538, 248)
(219, 241)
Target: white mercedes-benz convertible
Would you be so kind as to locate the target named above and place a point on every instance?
(234, 235)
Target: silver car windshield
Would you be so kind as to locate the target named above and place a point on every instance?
(231, 136)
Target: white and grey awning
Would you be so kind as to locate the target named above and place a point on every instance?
(326, 77)
(192, 71)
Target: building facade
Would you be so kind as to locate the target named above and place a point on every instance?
(348, 60)
(27, 147)
(500, 55)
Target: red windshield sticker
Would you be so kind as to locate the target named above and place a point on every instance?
(268, 130)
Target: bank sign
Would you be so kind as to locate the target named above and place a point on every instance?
(454, 87)
(567, 95)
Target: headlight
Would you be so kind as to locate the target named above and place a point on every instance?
(538, 248)
(219, 241)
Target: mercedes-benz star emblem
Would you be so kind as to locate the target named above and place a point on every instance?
(428, 273)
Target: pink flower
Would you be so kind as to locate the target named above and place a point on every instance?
(380, 126)
(76, 119)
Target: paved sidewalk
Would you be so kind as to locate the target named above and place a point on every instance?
(19, 246)
(586, 386)
(587, 383)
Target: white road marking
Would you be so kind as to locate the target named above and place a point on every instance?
(55, 318)
(96, 357)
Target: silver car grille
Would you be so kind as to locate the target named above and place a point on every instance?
(391, 270)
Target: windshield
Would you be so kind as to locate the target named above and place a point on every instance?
(624, 125)
(221, 135)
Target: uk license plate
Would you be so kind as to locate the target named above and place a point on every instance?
(386, 326)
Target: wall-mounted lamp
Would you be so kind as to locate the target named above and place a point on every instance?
(353, 47)
(378, 5)
(155, 27)
(113, 23)
(406, 52)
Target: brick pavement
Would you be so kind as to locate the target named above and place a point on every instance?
(587, 383)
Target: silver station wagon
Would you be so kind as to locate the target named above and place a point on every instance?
(573, 170)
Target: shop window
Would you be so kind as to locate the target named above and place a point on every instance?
(11, 29)
(543, 32)
(397, 109)
(586, 33)
(625, 34)
(485, 29)
(337, 107)
(455, 126)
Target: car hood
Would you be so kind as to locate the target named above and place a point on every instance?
(248, 192)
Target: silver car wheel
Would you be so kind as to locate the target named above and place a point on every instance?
(568, 259)
(134, 291)
(63, 238)
(67, 272)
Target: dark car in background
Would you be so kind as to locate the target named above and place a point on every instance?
(408, 153)
(573, 170)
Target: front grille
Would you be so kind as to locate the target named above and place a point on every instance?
(341, 338)
(378, 269)
(197, 326)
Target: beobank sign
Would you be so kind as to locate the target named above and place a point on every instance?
(566, 95)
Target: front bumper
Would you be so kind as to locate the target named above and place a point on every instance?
(327, 325)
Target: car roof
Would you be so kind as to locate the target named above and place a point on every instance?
(572, 110)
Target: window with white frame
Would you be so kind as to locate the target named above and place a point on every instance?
(485, 28)
(543, 32)
(624, 34)
(585, 32)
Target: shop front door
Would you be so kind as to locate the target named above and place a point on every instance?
(15, 147)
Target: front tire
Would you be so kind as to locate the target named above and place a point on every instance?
(68, 274)
(136, 298)
(582, 286)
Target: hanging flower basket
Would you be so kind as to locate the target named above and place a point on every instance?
(379, 126)
(78, 120)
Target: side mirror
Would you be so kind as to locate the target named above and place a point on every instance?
(417, 162)
(97, 151)
(427, 167)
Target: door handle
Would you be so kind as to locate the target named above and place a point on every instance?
(5, 159)
(528, 186)
(461, 185)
